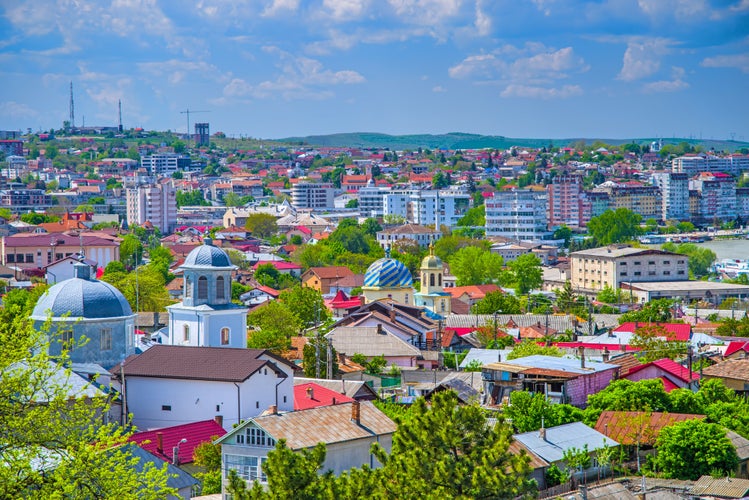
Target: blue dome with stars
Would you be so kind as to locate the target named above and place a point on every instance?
(388, 273)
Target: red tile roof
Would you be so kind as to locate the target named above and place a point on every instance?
(311, 395)
(681, 331)
(196, 433)
(625, 427)
(671, 367)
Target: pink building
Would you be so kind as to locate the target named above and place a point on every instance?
(564, 194)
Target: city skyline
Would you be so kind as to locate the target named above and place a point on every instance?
(280, 68)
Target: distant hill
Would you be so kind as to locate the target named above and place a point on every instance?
(458, 140)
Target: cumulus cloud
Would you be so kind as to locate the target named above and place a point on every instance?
(643, 58)
(439, 89)
(483, 22)
(738, 61)
(533, 92)
(341, 10)
(15, 109)
(426, 12)
(681, 9)
(479, 65)
(277, 7)
(675, 84)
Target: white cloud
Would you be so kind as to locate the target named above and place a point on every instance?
(676, 82)
(534, 92)
(439, 89)
(341, 10)
(13, 109)
(282, 7)
(738, 61)
(556, 63)
(426, 12)
(543, 6)
(680, 9)
(483, 22)
(480, 65)
(643, 58)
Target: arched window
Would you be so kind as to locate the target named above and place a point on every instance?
(439, 279)
(431, 279)
(202, 287)
(188, 287)
(225, 336)
(220, 289)
(423, 279)
(186, 333)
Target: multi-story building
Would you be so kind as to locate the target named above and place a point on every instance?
(353, 183)
(674, 195)
(592, 204)
(717, 192)
(694, 164)
(427, 207)
(317, 196)
(742, 203)
(371, 200)
(565, 203)
(11, 147)
(640, 199)
(38, 251)
(23, 200)
(165, 163)
(519, 214)
(202, 134)
(156, 203)
(422, 235)
(595, 268)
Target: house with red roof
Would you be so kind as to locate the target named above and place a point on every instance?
(312, 395)
(321, 278)
(281, 266)
(673, 375)
(681, 332)
(167, 443)
(342, 304)
(737, 350)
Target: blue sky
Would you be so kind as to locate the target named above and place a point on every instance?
(277, 68)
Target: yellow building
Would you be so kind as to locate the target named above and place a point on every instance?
(388, 279)
(432, 295)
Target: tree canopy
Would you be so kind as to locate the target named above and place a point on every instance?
(475, 266)
(615, 226)
(273, 325)
(261, 225)
(526, 273)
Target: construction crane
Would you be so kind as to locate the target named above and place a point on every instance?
(187, 112)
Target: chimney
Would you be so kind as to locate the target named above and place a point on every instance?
(581, 351)
(379, 328)
(356, 412)
(175, 455)
(334, 401)
(273, 410)
(219, 419)
(606, 355)
(392, 315)
(542, 433)
(310, 393)
(160, 442)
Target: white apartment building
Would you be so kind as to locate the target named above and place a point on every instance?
(674, 195)
(427, 207)
(519, 214)
(165, 163)
(317, 196)
(717, 195)
(156, 203)
(371, 200)
(694, 164)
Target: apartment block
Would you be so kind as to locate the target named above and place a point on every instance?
(717, 195)
(694, 164)
(317, 196)
(156, 203)
(674, 189)
(519, 214)
(593, 269)
(165, 163)
(24, 200)
(640, 199)
(427, 207)
(565, 202)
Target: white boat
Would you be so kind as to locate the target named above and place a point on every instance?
(731, 267)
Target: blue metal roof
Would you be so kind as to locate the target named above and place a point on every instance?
(207, 255)
(562, 438)
(388, 273)
(82, 298)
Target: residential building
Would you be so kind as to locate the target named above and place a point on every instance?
(564, 201)
(562, 380)
(354, 183)
(717, 196)
(206, 317)
(694, 164)
(371, 200)
(313, 395)
(322, 278)
(156, 203)
(422, 235)
(428, 207)
(639, 198)
(173, 385)
(11, 147)
(593, 204)
(36, 251)
(348, 431)
(673, 375)
(638, 428)
(595, 268)
(674, 188)
(165, 164)
(734, 373)
(25, 200)
(742, 203)
(317, 196)
(518, 214)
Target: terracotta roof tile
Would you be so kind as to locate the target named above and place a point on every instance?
(737, 369)
(624, 427)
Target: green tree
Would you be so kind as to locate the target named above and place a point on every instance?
(497, 302)
(615, 226)
(351, 238)
(208, 456)
(655, 342)
(625, 395)
(609, 296)
(272, 326)
(693, 448)
(373, 365)
(475, 266)
(446, 246)
(56, 446)
(371, 227)
(530, 348)
(448, 451)
(144, 288)
(563, 233)
(131, 250)
(191, 199)
(475, 216)
(528, 411)
(526, 272)
(352, 203)
(655, 311)
(310, 353)
(700, 258)
(306, 304)
(261, 225)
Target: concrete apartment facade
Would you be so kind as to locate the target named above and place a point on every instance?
(156, 203)
(564, 195)
(593, 269)
(519, 214)
(674, 195)
(317, 196)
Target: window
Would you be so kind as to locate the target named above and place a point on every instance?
(105, 339)
(637, 273)
(405, 300)
(248, 468)
(67, 339)
(680, 262)
(666, 273)
(166, 407)
(431, 279)
(439, 279)
(225, 336)
(188, 287)
(638, 263)
(186, 333)
(666, 262)
(680, 272)
(220, 288)
(11, 257)
(651, 273)
(651, 262)
(623, 273)
(202, 287)
(29, 257)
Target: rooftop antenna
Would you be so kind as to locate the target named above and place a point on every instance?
(72, 107)
(187, 112)
(119, 109)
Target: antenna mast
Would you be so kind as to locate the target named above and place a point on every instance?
(72, 107)
(119, 109)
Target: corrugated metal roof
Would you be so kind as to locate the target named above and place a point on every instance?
(562, 438)
(556, 322)
(369, 341)
(563, 364)
(627, 426)
(724, 487)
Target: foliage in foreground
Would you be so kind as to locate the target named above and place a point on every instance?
(440, 451)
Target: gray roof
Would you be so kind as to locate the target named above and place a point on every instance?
(369, 341)
(485, 356)
(565, 364)
(559, 322)
(177, 477)
(562, 438)
(207, 256)
(82, 297)
(613, 251)
(351, 388)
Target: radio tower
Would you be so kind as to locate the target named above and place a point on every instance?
(119, 107)
(72, 107)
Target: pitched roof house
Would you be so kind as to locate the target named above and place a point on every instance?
(321, 278)
(673, 375)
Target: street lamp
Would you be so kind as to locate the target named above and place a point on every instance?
(175, 451)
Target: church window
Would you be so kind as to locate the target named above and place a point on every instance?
(188, 287)
(220, 289)
(224, 336)
(439, 279)
(202, 287)
(68, 340)
(105, 339)
(186, 333)
(431, 279)
(406, 299)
